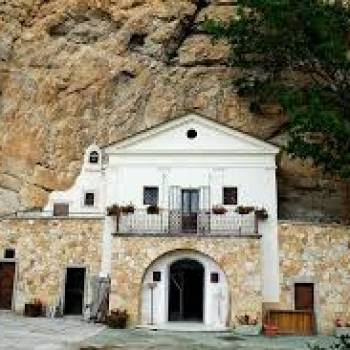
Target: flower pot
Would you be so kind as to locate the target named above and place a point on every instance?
(153, 210)
(261, 214)
(219, 210)
(118, 319)
(270, 330)
(244, 210)
(33, 310)
(244, 329)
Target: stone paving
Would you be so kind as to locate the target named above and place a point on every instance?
(20, 333)
(162, 340)
(23, 333)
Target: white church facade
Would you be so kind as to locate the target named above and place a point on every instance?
(193, 173)
(182, 218)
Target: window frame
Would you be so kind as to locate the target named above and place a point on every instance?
(12, 252)
(96, 154)
(144, 192)
(94, 199)
(224, 188)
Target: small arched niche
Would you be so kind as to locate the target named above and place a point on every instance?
(92, 157)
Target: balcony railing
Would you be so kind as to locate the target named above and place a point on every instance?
(175, 222)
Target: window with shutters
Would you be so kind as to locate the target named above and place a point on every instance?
(60, 209)
(230, 195)
(150, 195)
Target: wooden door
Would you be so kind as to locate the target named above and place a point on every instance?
(304, 296)
(7, 278)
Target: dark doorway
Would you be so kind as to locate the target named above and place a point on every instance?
(7, 279)
(74, 291)
(304, 296)
(190, 208)
(186, 290)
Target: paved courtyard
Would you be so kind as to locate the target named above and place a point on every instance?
(19, 333)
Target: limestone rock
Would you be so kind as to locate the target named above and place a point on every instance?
(74, 72)
(199, 49)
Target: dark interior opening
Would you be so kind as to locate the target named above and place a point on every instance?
(74, 291)
(186, 290)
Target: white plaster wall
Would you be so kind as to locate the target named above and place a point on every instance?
(91, 179)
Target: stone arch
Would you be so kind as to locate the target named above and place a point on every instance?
(154, 292)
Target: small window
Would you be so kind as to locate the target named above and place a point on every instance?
(93, 157)
(60, 209)
(214, 277)
(191, 134)
(9, 253)
(150, 195)
(157, 276)
(230, 195)
(89, 199)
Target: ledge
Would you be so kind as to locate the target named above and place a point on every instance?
(183, 235)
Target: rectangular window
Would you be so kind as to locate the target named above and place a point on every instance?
(150, 195)
(89, 199)
(60, 209)
(214, 277)
(157, 276)
(230, 195)
(9, 253)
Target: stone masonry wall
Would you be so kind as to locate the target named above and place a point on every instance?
(318, 254)
(44, 248)
(238, 258)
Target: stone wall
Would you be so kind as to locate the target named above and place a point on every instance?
(44, 248)
(239, 258)
(318, 254)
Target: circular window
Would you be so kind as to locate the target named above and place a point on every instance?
(191, 134)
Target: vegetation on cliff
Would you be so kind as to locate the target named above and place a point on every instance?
(296, 53)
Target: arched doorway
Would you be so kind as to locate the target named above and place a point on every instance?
(205, 295)
(186, 291)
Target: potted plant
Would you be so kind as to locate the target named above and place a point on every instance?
(34, 309)
(113, 210)
(118, 319)
(270, 329)
(127, 209)
(261, 214)
(247, 325)
(219, 210)
(153, 209)
(341, 328)
(244, 210)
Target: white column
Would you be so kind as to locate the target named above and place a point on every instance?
(270, 255)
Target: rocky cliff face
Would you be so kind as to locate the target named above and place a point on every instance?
(73, 72)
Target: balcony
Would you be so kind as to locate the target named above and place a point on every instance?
(175, 223)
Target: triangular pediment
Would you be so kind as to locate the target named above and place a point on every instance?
(174, 137)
